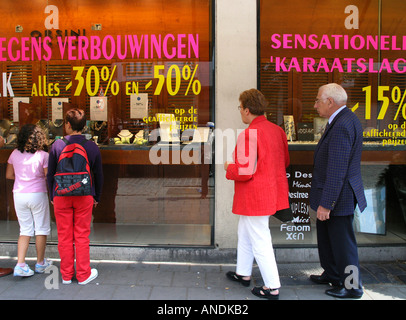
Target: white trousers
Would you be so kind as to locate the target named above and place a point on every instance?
(32, 211)
(255, 241)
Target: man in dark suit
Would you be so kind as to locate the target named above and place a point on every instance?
(336, 189)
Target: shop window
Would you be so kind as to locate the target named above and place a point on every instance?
(137, 60)
(303, 45)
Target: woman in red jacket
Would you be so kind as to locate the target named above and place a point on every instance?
(260, 189)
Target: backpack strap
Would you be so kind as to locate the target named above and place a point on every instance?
(81, 143)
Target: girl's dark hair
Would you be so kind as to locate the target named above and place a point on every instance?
(77, 119)
(31, 138)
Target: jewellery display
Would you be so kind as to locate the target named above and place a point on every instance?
(319, 125)
(98, 129)
(290, 131)
(124, 137)
(125, 134)
(8, 131)
(94, 130)
(13, 129)
(11, 139)
(55, 128)
(44, 125)
(12, 134)
(139, 138)
(86, 128)
(97, 125)
(4, 127)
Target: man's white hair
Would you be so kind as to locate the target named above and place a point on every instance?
(336, 92)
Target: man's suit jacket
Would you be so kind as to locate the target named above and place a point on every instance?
(336, 182)
(259, 170)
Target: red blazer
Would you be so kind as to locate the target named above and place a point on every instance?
(259, 170)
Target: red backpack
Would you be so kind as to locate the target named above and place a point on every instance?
(73, 177)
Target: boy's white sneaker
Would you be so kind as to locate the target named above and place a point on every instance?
(23, 271)
(93, 275)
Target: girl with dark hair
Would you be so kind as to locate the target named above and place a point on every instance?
(28, 166)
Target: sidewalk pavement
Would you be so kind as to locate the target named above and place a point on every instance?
(118, 280)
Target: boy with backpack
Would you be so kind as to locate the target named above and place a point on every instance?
(75, 180)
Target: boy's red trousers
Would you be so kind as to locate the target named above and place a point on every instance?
(73, 218)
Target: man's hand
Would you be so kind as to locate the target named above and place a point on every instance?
(323, 214)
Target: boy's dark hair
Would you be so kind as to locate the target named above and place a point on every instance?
(77, 119)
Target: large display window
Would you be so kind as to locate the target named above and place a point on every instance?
(142, 70)
(360, 45)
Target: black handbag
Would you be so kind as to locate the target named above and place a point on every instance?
(284, 215)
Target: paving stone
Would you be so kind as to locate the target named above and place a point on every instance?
(173, 281)
(168, 293)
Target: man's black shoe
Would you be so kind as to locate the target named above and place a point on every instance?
(343, 293)
(323, 279)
